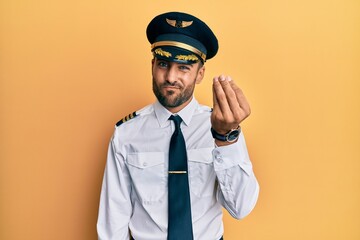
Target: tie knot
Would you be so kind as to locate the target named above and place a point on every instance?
(177, 120)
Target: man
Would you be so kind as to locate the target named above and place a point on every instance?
(172, 165)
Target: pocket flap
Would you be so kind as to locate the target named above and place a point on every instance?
(145, 159)
(202, 155)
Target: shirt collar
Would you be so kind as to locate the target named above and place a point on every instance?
(162, 114)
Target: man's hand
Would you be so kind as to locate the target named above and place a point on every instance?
(230, 106)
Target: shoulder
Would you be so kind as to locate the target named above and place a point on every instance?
(135, 115)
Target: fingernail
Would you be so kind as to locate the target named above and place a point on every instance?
(222, 78)
(215, 79)
(229, 78)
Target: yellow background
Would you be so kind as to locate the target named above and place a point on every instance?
(70, 69)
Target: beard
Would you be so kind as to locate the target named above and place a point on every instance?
(170, 99)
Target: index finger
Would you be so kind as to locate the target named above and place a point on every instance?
(243, 102)
(220, 95)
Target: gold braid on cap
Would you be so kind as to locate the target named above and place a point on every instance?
(180, 45)
(162, 53)
(191, 57)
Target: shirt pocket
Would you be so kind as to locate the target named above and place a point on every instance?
(201, 172)
(147, 171)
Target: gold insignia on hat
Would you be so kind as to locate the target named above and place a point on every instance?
(162, 53)
(191, 57)
(180, 45)
(178, 23)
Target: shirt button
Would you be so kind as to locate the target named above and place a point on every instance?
(218, 158)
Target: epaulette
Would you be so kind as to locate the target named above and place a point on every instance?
(127, 118)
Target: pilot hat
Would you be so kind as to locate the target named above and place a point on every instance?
(181, 37)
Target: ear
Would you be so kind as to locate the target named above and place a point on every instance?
(200, 75)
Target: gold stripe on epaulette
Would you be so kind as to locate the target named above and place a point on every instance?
(126, 118)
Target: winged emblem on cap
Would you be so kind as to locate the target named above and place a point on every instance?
(178, 23)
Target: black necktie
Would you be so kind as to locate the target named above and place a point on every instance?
(179, 223)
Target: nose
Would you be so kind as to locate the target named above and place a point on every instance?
(171, 75)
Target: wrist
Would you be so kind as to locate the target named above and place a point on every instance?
(229, 137)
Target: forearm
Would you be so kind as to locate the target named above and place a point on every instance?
(238, 188)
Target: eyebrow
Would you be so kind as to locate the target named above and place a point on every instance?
(185, 64)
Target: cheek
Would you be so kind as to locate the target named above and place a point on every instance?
(153, 70)
(190, 79)
(156, 75)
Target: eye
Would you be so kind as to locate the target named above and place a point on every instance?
(184, 67)
(163, 64)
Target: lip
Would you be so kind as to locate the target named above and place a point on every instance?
(171, 87)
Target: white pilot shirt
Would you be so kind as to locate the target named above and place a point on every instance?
(134, 195)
